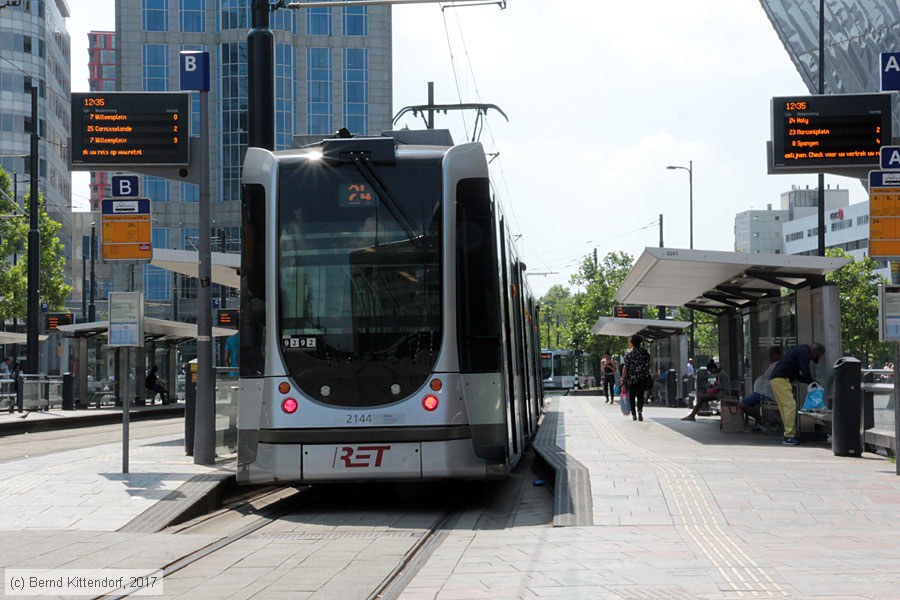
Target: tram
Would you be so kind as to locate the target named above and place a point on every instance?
(558, 369)
(387, 331)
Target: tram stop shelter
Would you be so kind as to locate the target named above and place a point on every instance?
(744, 293)
(224, 266)
(157, 331)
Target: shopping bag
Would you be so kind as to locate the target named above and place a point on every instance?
(815, 398)
(616, 390)
(624, 403)
(732, 418)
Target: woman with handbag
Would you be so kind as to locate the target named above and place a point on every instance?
(636, 376)
(609, 367)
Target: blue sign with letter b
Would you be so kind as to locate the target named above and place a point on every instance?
(194, 70)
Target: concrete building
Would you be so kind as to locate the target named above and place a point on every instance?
(802, 202)
(332, 70)
(34, 46)
(759, 231)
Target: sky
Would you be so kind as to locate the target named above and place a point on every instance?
(601, 98)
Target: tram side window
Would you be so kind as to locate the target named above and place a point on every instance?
(564, 365)
(478, 295)
(253, 284)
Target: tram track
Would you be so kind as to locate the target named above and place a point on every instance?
(268, 506)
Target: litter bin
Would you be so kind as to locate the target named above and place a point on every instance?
(68, 392)
(671, 388)
(190, 405)
(847, 413)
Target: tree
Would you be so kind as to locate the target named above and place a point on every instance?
(858, 283)
(599, 283)
(13, 240)
(555, 306)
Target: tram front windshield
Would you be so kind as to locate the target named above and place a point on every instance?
(360, 279)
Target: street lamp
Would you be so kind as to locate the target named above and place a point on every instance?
(690, 171)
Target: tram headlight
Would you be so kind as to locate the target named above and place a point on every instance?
(430, 402)
(289, 405)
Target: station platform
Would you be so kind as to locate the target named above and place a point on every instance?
(667, 509)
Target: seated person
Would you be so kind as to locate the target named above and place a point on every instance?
(154, 384)
(714, 391)
(762, 390)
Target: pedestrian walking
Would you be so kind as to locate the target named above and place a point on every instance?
(609, 367)
(636, 376)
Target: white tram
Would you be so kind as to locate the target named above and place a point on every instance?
(387, 330)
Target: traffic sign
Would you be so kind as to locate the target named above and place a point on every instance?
(884, 214)
(890, 71)
(125, 186)
(194, 67)
(127, 231)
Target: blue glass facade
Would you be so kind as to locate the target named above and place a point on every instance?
(285, 76)
(192, 15)
(156, 188)
(356, 90)
(155, 15)
(318, 21)
(318, 91)
(355, 20)
(235, 14)
(233, 131)
(157, 282)
(156, 68)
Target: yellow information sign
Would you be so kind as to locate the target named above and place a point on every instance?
(127, 231)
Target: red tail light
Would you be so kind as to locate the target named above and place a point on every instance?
(430, 402)
(289, 405)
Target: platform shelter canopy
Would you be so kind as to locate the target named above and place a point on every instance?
(225, 267)
(154, 329)
(716, 280)
(649, 329)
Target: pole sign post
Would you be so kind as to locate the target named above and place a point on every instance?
(127, 231)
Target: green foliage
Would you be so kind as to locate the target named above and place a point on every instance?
(554, 317)
(599, 283)
(858, 284)
(13, 240)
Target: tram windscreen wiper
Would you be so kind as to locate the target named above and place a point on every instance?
(361, 160)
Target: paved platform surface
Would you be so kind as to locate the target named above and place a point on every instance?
(682, 511)
(679, 511)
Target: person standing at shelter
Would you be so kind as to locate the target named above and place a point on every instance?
(232, 351)
(4, 368)
(636, 376)
(609, 367)
(793, 366)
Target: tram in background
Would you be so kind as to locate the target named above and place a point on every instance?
(557, 369)
(387, 329)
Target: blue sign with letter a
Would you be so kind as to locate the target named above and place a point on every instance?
(194, 70)
(890, 71)
(890, 158)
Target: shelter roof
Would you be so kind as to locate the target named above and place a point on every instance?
(711, 279)
(225, 266)
(154, 329)
(9, 337)
(652, 329)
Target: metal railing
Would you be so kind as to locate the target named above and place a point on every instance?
(878, 384)
(41, 392)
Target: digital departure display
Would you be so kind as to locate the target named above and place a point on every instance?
(52, 321)
(131, 128)
(628, 312)
(810, 133)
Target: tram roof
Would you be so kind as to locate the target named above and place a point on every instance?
(653, 329)
(154, 329)
(225, 267)
(716, 280)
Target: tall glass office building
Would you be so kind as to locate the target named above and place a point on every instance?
(332, 70)
(34, 49)
(856, 33)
